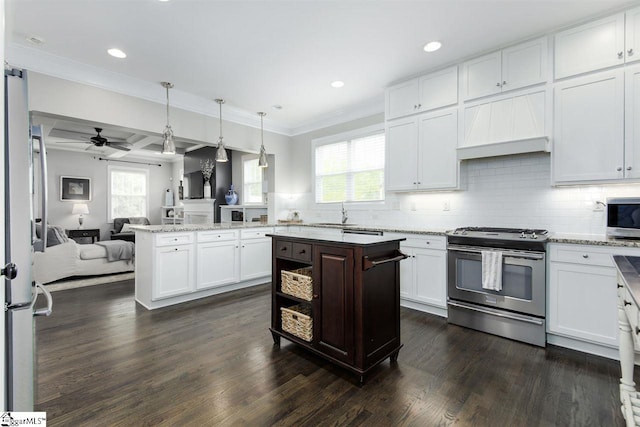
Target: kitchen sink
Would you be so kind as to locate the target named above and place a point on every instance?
(334, 224)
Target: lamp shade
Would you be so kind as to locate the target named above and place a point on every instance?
(80, 209)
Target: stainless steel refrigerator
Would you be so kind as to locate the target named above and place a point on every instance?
(24, 150)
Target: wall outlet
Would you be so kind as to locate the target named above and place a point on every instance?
(446, 206)
(598, 206)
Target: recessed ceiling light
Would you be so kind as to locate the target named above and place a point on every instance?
(163, 1)
(432, 46)
(337, 84)
(35, 40)
(277, 107)
(117, 53)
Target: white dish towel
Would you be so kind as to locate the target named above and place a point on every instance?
(492, 270)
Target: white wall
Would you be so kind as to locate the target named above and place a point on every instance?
(60, 97)
(510, 191)
(68, 163)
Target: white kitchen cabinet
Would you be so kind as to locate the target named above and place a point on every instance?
(423, 277)
(255, 253)
(632, 35)
(174, 268)
(632, 123)
(589, 128)
(402, 148)
(217, 264)
(435, 90)
(512, 68)
(421, 152)
(589, 47)
(582, 293)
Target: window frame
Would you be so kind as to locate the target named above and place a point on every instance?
(341, 137)
(110, 170)
(248, 158)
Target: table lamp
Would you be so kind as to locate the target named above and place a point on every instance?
(80, 209)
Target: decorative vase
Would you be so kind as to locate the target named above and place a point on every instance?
(207, 190)
(231, 197)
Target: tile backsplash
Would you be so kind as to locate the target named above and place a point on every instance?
(510, 191)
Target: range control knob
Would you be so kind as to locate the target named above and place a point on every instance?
(523, 236)
(533, 235)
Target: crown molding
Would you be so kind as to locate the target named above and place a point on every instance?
(36, 60)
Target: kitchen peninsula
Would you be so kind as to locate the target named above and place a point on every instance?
(179, 263)
(338, 297)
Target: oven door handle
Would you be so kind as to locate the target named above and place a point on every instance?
(506, 253)
(497, 313)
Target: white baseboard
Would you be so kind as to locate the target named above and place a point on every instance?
(426, 308)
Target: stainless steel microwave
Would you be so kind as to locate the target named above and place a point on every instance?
(623, 217)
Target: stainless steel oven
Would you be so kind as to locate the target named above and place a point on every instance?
(517, 311)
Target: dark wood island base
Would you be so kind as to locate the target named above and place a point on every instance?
(352, 300)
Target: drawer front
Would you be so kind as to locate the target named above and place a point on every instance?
(169, 239)
(217, 235)
(431, 242)
(255, 233)
(301, 251)
(283, 249)
(581, 256)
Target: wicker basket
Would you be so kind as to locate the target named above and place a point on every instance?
(298, 283)
(297, 321)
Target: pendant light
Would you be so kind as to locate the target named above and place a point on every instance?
(221, 154)
(168, 146)
(262, 160)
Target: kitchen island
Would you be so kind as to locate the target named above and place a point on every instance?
(338, 297)
(179, 263)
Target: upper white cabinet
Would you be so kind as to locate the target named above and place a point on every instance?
(593, 46)
(421, 152)
(632, 35)
(632, 123)
(512, 68)
(589, 128)
(436, 90)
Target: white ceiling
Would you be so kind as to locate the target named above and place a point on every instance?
(256, 54)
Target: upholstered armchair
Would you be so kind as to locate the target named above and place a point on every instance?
(121, 229)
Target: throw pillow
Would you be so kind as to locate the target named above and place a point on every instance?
(126, 228)
(55, 235)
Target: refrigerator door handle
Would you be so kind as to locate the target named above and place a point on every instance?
(36, 133)
(42, 311)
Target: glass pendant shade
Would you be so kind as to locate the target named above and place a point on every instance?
(168, 145)
(262, 160)
(221, 153)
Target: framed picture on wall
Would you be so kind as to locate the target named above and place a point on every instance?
(75, 188)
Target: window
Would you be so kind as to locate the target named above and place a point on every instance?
(350, 169)
(128, 192)
(252, 180)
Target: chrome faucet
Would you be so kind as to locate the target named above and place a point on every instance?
(344, 215)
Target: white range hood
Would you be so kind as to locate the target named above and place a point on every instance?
(505, 126)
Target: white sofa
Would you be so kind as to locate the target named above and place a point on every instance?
(71, 259)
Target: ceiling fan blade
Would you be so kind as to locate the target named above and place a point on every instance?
(71, 142)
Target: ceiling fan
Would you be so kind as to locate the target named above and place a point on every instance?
(97, 140)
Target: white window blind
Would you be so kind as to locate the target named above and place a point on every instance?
(350, 171)
(128, 192)
(252, 177)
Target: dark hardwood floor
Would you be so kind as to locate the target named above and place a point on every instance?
(103, 361)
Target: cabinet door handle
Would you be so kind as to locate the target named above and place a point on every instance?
(619, 286)
(630, 52)
(315, 296)
(504, 83)
(175, 249)
(419, 105)
(626, 302)
(585, 256)
(428, 243)
(637, 330)
(628, 168)
(302, 252)
(498, 84)
(619, 168)
(620, 55)
(284, 248)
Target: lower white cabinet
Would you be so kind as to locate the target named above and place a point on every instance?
(255, 253)
(423, 276)
(582, 293)
(217, 264)
(174, 268)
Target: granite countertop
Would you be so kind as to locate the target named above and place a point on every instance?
(629, 268)
(576, 239)
(349, 239)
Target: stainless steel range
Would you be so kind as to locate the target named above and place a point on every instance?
(516, 308)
